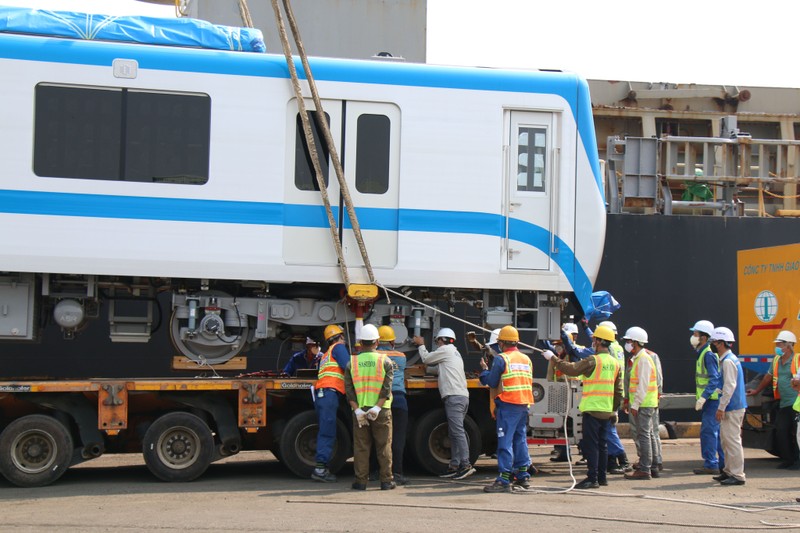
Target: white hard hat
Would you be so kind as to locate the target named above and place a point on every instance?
(493, 336)
(722, 334)
(703, 326)
(786, 336)
(369, 333)
(570, 328)
(447, 333)
(309, 340)
(610, 325)
(636, 334)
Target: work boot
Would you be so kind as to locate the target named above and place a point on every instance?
(358, 486)
(464, 472)
(523, 483)
(451, 472)
(388, 485)
(587, 484)
(638, 474)
(654, 472)
(498, 486)
(400, 479)
(324, 475)
(721, 477)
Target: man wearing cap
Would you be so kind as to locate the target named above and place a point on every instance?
(328, 390)
(708, 381)
(368, 382)
(303, 359)
(784, 368)
(446, 362)
(601, 397)
(730, 412)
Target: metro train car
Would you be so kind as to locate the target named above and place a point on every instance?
(134, 169)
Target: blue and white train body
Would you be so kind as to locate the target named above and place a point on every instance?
(133, 169)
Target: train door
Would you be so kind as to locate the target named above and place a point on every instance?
(532, 188)
(367, 139)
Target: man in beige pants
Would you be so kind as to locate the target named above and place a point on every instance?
(732, 404)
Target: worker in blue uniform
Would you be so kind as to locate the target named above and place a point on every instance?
(708, 381)
(305, 358)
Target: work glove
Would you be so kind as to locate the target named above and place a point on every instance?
(547, 354)
(361, 417)
(699, 405)
(373, 413)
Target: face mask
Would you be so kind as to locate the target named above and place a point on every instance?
(694, 341)
(778, 351)
(714, 348)
(628, 347)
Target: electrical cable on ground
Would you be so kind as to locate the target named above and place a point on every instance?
(543, 513)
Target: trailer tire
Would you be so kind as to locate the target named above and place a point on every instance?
(431, 443)
(298, 445)
(178, 447)
(35, 450)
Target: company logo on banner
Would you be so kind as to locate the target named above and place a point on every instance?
(766, 306)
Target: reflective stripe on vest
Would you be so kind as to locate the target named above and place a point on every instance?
(368, 374)
(517, 379)
(330, 375)
(598, 389)
(651, 398)
(775, 365)
(701, 374)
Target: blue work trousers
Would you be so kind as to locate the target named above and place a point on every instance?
(595, 446)
(615, 447)
(513, 457)
(710, 444)
(326, 403)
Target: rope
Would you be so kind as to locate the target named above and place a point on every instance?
(323, 124)
(543, 513)
(310, 142)
(244, 12)
(774, 195)
(437, 310)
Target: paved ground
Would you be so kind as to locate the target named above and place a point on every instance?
(252, 492)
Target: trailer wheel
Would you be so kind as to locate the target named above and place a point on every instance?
(298, 445)
(178, 447)
(431, 443)
(35, 450)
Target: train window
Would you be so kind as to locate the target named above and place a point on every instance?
(372, 154)
(531, 164)
(118, 134)
(304, 178)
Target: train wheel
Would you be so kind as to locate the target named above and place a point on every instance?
(298, 445)
(35, 450)
(431, 442)
(178, 447)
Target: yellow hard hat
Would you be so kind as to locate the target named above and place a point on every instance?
(332, 331)
(508, 334)
(386, 334)
(605, 333)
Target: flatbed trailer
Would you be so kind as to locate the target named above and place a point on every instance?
(181, 425)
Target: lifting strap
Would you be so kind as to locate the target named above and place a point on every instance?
(322, 123)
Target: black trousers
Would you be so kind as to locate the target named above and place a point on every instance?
(786, 434)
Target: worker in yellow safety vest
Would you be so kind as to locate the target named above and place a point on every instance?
(368, 385)
(643, 402)
(600, 399)
(514, 371)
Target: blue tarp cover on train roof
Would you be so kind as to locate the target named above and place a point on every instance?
(147, 30)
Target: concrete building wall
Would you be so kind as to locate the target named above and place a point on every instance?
(356, 29)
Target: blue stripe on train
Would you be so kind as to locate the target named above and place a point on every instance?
(276, 214)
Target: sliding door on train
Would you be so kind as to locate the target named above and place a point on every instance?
(366, 136)
(532, 190)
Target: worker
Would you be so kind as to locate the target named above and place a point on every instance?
(642, 402)
(446, 362)
(368, 382)
(305, 358)
(559, 451)
(327, 393)
(617, 458)
(514, 371)
(784, 369)
(732, 405)
(600, 399)
(569, 334)
(386, 346)
(708, 381)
